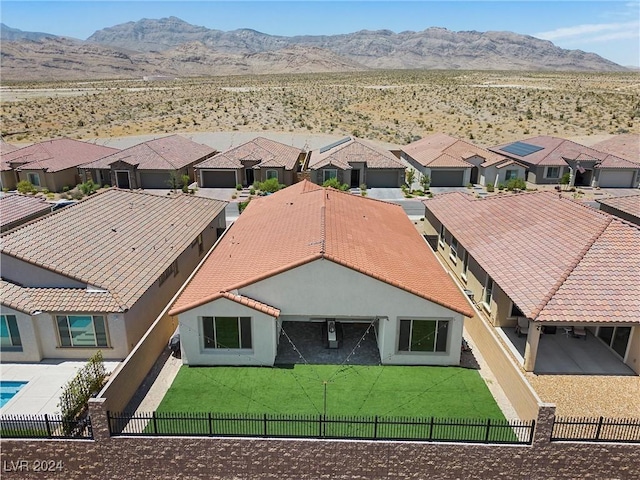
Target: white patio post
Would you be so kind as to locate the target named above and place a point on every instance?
(531, 349)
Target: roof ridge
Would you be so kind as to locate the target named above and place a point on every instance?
(160, 154)
(572, 266)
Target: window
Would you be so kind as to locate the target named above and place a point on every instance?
(443, 232)
(82, 331)
(465, 264)
(200, 245)
(9, 334)
(227, 332)
(454, 249)
(616, 338)
(34, 179)
(515, 311)
(328, 174)
(552, 172)
(171, 270)
(510, 175)
(272, 174)
(423, 335)
(488, 292)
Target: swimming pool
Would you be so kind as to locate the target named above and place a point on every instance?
(8, 389)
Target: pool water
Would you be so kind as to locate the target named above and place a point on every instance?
(8, 390)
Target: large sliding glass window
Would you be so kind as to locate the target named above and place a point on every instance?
(616, 338)
(227, 332)
(82, 331)
(9, 333)
(423, 335)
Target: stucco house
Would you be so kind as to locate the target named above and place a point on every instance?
(626, 145)
(355, 162)
(16, 209)
(257, 160)
(96, 274)
(158, 163)
(8, 177)
(548, 158)
(547, 260)
(452, 162)
(53, 164)
(307, 255)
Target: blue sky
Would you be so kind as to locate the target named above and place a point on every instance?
(608, 28)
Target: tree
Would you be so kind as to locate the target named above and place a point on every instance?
(410, 176)
(25, 186)
(174, 182)
(425, 181)
(565, 179)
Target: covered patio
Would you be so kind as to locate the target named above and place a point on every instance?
(561, 353)
(305, 342)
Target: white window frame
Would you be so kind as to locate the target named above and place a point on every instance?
(333, 174)
(34, 179)
(271, 173)
(93, 326)
(453, 249)
(441, 235)
(547, 172)
(465, 265)
(11, 346)
(488, 281)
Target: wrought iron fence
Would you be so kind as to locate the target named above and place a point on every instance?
(44, 426)
(321, 426)
(586, 429)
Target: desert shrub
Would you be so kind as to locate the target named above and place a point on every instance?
(490, 188)
(335, 183)
(410, 176)
(185, 183)
(516, 184)
(239, 187)
(25, 186)
(501, 186)
(243, 205)
(88, 187)
(425, 181)
(271, 185)
(65, 188)
(565, 179)
(252, 191)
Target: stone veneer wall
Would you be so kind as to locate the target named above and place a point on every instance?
(226, 458)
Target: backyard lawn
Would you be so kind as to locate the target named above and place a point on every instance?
(386, 391)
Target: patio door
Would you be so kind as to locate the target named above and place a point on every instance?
(616, 338)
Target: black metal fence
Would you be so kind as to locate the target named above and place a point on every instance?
(585, 429)
(44, 426)
(321, 426)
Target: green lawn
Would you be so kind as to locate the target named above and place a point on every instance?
(386, 391)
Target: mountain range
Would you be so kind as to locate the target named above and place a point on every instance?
(173, 47)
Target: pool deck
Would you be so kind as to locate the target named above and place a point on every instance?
(46, 380)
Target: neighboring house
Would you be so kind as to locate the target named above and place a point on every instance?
(8, 177)
(53, 164)
(254, 161)
(310, 254)
(95, 275)
(355, 162)
(158, 163)
(451, 162)
(546, 258)
(548, 158)
(16, 209)
(625, 146)
(627, 208)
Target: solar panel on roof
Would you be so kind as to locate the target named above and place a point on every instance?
(521, 149)
(335, 144)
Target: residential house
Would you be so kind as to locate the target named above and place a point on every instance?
(625, 146)
(627, 207)
(451, 162)
(8, 178)
(307, 255)
(355, 161)
(158, 163)
(53, 164)
(257, 160)
(547, 259)
(549, 158)
(96, 274)
(16, 209)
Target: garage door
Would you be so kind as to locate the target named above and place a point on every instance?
(154, 180)
(382, 179)
(447, 178)
(218, 178)
(615, 178)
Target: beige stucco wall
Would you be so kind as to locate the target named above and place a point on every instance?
(633, 352)
(31, 275)
(31, 351)
(8, 179)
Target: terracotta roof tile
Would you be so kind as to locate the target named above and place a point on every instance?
(629, 204)
(355, 150)
(56, 155)
(4, 149)
(251, 303)
(626, 146)
(268, 152)
(16, 207)
(442, 150)
(166, 153)
(305, 222)
(544, 252)
(129, 237)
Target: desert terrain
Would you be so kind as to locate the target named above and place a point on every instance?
(394, 107)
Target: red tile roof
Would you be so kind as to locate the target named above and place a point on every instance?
(117, 240)
(16, 207)
(626, 146)
(629, 204)
(268, 152)
(167, 153)
(4, 149)
(557, 260)
(355, 150)
(442, 150)
(305, 222)
(556, 151)
(56, 155)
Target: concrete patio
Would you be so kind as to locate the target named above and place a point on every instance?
(563, 354)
